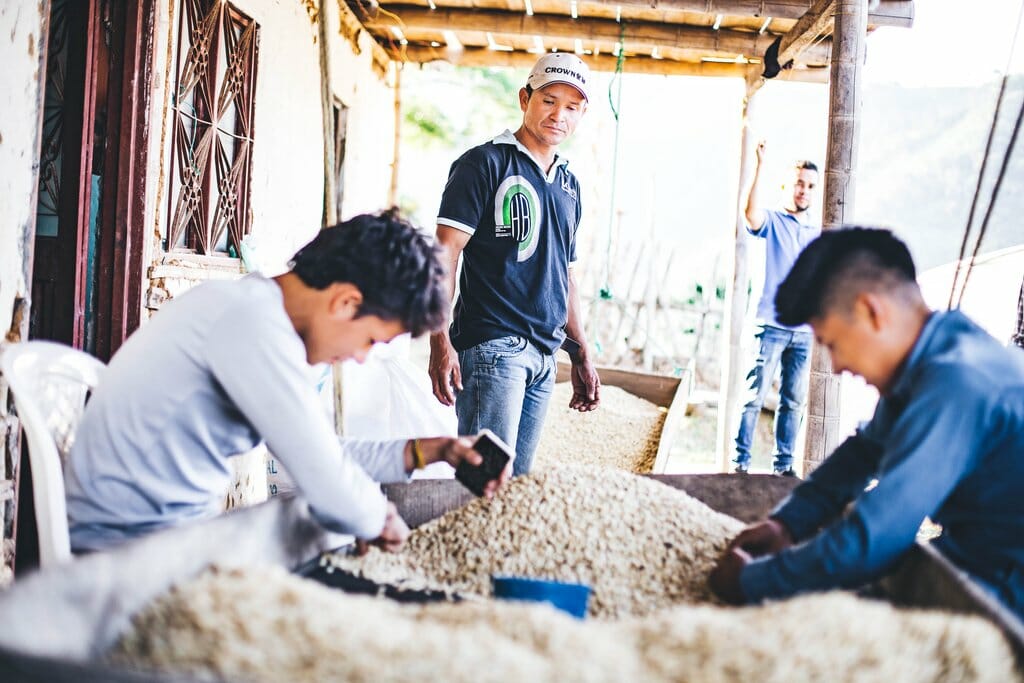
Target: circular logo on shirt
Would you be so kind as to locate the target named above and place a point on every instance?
(517, 214)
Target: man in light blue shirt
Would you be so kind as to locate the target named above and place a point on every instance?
(946, 440)
(785, 234)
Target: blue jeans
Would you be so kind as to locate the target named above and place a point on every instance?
(793, 349)
(506, 385)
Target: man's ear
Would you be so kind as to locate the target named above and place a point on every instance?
(524, 99)
(344, 300)
(875, 309)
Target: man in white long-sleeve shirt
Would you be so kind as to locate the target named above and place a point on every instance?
(228, 365)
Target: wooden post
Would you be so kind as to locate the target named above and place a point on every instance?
(840, 179)
(330, 215)
(735, 311)
(393, 189)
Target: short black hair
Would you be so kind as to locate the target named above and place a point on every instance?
(399, 269)
(804, 164)
(834, 268)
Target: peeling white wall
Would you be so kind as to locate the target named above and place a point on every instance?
(21, 27)
(370, 144)
(287, 164)
(21, 39)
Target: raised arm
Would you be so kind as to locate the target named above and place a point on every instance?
(755, 214)
(445, 373)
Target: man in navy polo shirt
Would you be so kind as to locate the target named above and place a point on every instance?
(786, 233)
(511, 208)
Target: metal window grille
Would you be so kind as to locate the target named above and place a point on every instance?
(213, 109)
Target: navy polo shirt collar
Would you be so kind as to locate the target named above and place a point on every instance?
(509, 138)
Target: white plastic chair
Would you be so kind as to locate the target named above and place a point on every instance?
(50, 383)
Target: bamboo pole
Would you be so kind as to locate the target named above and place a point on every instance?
(823, 433)
(640, 36)
(330, 212)
(735, 309)
(393, 188)
(626, 299)
(649, 291)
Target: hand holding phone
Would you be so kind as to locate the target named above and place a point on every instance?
(495, 454)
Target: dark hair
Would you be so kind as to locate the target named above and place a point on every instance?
(834, 268)
(529, 91)
(805, 165)
(398, 269)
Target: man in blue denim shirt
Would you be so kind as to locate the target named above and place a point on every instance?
(946, 440)
(785, 234)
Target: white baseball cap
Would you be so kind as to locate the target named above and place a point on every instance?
(561, 67)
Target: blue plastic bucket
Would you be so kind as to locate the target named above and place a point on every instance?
(568, 597)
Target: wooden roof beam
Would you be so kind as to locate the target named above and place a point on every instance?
(887, 13)
(350, 27)
(816, 22)
(640, 36)
(480, 56)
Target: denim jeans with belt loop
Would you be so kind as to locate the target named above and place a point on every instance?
(506, 385)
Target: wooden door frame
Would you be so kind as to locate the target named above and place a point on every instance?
(125, 66)
(121, 248)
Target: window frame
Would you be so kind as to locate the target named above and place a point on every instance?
(214, 205)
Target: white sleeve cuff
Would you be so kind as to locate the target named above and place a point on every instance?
(456, 224)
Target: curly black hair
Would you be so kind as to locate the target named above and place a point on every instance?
(399, 269)
(834, 268)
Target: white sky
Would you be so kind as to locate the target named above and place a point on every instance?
(953, 42)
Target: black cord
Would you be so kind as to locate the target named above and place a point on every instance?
(981, 176)
(995, 194)
(977, 189)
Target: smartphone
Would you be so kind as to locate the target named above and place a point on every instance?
(496, 455)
